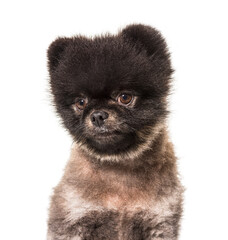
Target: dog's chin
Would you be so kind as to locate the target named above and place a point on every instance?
(109, 143)
(105, 139)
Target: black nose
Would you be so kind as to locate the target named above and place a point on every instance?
(98, 118)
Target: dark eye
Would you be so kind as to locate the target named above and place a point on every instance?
(81, 103)
(125, 98)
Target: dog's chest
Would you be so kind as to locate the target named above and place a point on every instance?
(122, 203)
(98, 190)
(119, 204)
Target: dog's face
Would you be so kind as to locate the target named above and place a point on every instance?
(111, 91)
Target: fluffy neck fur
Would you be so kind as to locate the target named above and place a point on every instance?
(153, 174)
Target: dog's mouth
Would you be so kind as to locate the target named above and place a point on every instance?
(107, 134)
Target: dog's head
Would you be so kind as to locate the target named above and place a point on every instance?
(111, 90)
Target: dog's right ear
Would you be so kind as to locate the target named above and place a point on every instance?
(56, 51)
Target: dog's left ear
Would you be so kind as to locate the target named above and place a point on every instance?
(148, 40)
(145, 37)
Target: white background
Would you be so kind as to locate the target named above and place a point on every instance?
(34, 147)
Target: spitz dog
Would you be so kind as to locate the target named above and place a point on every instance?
(121, 181)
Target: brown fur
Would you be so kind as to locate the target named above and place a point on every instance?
(140, 199)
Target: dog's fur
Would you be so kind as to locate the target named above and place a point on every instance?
(123, 185)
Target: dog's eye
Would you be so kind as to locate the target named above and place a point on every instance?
(81, 103)
(125, 98)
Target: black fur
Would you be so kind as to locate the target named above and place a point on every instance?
(94, 226)
(135, 60)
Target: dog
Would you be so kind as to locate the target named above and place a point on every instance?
(121, 181)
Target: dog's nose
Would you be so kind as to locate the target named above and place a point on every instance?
(98, 117)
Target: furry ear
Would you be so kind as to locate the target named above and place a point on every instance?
(55, 52)
(145, 37)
